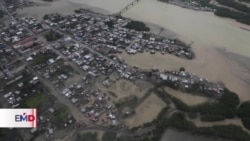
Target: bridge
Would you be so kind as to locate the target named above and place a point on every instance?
(130, 5)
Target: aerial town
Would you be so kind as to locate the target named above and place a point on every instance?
(71, 68)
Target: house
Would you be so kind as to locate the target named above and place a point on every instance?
(1, 75)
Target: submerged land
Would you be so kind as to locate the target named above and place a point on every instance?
(97, 72)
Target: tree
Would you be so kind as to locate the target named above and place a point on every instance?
(230, 99)
(244, 110)
(87, 137)
(246, 122)
(109, 136)
(182, 69)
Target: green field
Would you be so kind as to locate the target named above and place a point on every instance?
(39, 101)
(60, 115)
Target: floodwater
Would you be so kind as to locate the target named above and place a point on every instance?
(173, 135)
(197, 26)
(111, 6)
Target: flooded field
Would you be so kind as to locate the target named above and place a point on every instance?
(189, 99)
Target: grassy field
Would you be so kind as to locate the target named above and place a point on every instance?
(59, 116)
(39, 101)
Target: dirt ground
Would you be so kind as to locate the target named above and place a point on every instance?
(189, 99)
(146, 111)
(123, 88)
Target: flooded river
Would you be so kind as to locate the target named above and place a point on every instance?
(202, 27)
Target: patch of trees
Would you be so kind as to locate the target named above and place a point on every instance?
(224, 107)
(53, 35)
(109, 136)
(246, 122)
(244, 110)
(225, 131)
(127, 101)
(245, 0)
(87, 137)
(137, 25)
(212, 118)
(240, 17)
(225, 12)
(110, 24)
(1, 13)
(244, 113)
(125, 138)
(179, 122)
(235, 5)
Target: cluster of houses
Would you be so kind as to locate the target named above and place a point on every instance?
(191, 4)
(108, 34)
(42, 57)
(49, 123)
(20, 37)
(95, 65)
(94, 104)
(14, 33)
(15, 96)
(190, 82)
(6, 55)
(31, 23)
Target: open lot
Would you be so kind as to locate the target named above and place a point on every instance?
(124, 88)
(146, 111)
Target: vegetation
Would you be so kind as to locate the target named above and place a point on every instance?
(244, 110)
(235, 5)
(39, 101)
(244, 113)
(43, 58)
(225, 107)
(137, 25)
(59, 115)
(246, 122)
(241, 12)
(53, 35)
(245, 0)
(125, 138)
(212, 118)
(109, 136)
(110, 24)
(87, 137)
(1, 13)
(113, 94)
(179, 122)
(130, 101)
